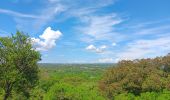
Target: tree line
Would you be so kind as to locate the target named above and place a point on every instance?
(137, 76)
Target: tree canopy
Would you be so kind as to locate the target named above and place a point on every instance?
(18, 64)
(137, 76)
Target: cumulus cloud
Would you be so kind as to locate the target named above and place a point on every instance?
(100, 49)
(106, 60)
(91, 47)
(47, 40)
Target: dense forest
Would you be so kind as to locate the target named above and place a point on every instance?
(22, 78)
(144, 79)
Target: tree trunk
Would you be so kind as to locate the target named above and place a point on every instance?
(6, 96)
(8, 89)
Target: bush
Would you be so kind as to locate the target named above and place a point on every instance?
(63, 91)
(165, 95)
(125, 97)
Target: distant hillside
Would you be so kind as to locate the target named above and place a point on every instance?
(76, 65)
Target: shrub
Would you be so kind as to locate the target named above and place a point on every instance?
(63, 91)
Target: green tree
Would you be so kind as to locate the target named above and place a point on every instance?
(18, 64)
(137, 76)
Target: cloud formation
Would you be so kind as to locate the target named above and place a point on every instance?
(106, 60)
(41, 18)
(47, 40)
(17, 14)
(145, 48)
(100, 49)
(100, 27)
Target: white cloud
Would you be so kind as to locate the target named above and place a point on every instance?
(85, 3)
(17, 14)
(100, 27)
(91, 47)
(100, 49)
(145, 48)
(106, 60)
(43, 17)
(154, 30)
(51, 9)
(144, 41)
(103, 47)
(141, 30)
(48, 41)
(37, 20)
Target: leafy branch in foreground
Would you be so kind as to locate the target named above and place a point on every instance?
(18, 65)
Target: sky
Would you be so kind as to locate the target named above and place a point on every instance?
(90, 31)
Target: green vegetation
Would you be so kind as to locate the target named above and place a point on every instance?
(67, 82)
(71, 82)
(18, 65)
(164, 95)
(146, 78)
(21, 78)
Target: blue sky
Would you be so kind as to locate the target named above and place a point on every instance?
(90, 31)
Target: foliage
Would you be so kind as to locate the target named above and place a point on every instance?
(137, 76)
(71, 82)
(18, 65)
(64, 91)
(144, 79)
(164, 95)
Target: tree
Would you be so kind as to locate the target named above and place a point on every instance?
(18, 64)
(137, 76)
